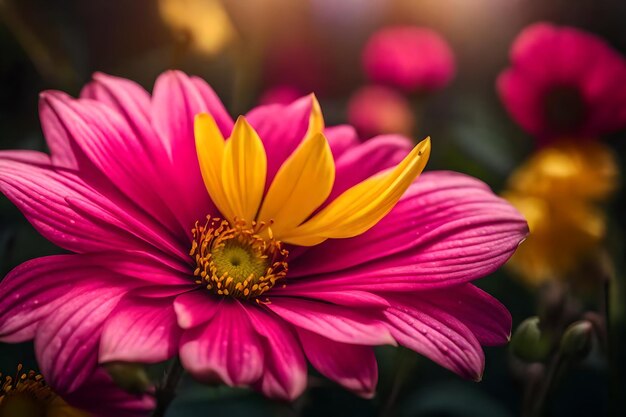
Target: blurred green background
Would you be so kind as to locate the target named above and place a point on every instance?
(243, 47)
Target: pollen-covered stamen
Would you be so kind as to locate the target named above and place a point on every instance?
(26, 394)
(235, 260)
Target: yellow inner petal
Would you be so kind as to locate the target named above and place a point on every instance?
(301, 185)
(210, 149)
(362, 206)
(234, 172)
(244, 169)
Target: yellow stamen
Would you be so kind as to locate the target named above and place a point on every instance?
(230, 258)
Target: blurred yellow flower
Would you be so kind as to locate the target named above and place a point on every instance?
(569, 169)
(562, 236)
(558, 190)
(205, 24)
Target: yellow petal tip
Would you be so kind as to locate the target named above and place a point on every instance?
(316, 118)
(422, 149)
(242, 119)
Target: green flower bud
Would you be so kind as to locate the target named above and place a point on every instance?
(130, 377)
(576, 340)
(529, 343)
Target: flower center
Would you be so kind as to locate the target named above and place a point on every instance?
(234, 260)
(564, 108)
(27, 395)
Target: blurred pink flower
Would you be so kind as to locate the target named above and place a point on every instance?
(123, 190)
(375, 110)
(414, 59)
(280, 94)
(564, 81)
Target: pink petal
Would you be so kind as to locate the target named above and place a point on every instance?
(39, 194)
(226, 348)
(25, 156)
(104, 143)
(35, 289)
(195, 308)
(341, 138)
(435, 333)
(100, 396)
(285, 373)
(86, 135)
(129, 99)
(59, 142)
(67, 340)
(176, 100)
(38, 287)
(448, 229)
(140, 330)
(336, 296)
(146, 266)
(125, 222)
(281, 128)
(133, 103)
(214, 104)
(338, 323)
(483, 315)
(71, 214)
(352, 366)
(163, 291)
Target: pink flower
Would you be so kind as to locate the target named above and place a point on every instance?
(375, 110)
(413, 59)
(564, 81)
(384, 260)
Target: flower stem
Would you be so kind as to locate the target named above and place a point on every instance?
(611, 349)
(166, 392)
(557, 368)
(608, 336)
